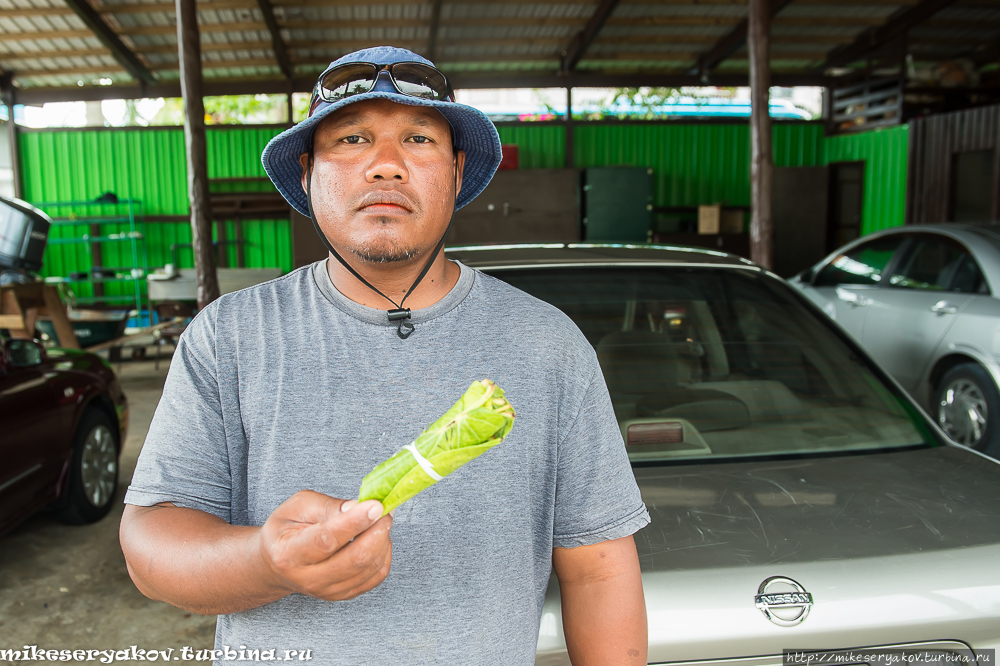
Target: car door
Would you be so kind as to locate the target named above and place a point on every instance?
(906, 322)
(845, 286)
(25, 403)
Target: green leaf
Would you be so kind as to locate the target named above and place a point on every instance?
(480, 420)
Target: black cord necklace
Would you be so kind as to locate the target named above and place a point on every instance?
(400, 314)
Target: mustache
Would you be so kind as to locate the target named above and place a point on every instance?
(386, 197)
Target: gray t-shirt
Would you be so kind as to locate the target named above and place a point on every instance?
(289, 385)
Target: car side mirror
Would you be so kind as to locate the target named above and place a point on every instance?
(23, 353)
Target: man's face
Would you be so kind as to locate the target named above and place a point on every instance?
(385, 179)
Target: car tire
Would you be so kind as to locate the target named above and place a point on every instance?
(93, 472)
(967, 407)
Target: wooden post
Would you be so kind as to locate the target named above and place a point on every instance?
(189, 52)
(761, 160)
(7, 86)
(96, 261)
(570, 158)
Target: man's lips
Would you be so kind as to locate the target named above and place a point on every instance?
(384, 208)
(385, 201)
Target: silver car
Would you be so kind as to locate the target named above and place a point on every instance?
(802, 504)
(922, 301)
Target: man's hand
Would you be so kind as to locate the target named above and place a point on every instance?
(314, 544)
(603, 610)
(327, 548)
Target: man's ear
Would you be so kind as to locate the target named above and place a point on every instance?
(459, 166)
(304, 161)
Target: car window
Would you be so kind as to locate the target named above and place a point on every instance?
(969, 279)
(23, 353)
(864, 264)
(935, 263)
(704, 363)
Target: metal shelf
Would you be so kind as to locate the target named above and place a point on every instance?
(122, 298)
(127, 216)
(110, 238)
(63, 221)
(65, 280)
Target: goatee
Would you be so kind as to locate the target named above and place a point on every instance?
(383, 255)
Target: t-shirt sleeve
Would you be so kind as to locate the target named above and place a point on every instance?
(597, 498)
(185, 459)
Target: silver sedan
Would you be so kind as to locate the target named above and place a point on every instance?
(923, 302)
(804, 509)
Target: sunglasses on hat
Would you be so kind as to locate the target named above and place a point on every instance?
(412, 79)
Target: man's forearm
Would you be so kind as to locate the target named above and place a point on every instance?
(603, 609)
(195, 561)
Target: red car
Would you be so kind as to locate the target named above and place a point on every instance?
(63, 418)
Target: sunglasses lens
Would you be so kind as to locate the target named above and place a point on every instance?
(419, 80)
(346, 81)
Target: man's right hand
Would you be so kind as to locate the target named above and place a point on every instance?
(309, 544)
(327, 548)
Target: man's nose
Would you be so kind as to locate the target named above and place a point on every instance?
(387, 163)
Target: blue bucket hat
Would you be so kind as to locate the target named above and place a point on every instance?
(473, 132)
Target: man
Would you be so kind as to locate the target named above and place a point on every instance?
(281, 397)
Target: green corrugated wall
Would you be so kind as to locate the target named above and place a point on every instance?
(693, 164)
(538, 146)
(148, 165)
(884, 152)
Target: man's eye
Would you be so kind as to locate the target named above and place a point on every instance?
(419, 138)
(353, 139)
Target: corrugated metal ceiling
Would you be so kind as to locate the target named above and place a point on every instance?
(44, 43)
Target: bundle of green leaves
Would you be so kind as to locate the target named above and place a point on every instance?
(480, 420)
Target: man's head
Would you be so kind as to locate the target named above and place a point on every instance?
(385, 177)
(395, 77)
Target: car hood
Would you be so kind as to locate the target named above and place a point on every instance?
(894, 547)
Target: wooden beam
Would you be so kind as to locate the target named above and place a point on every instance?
(36, 71)
(220, 64)
(31, 12)
(236, 26)
(895, 26)
(207, 46)
(470, 80)
(761, 159)
(30, 56)
(730, 43)
(277, 43)
(416, 44)
(33, 35)
(107, 36)
(687, 56)
(432, 38)
(189, 52)
(574, 51)
(964, 24)
(145, 8)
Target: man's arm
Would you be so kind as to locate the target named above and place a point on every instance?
(603, 609)
(312, 544)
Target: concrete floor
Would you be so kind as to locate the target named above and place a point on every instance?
(66, 587)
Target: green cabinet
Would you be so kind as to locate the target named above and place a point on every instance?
(617, 204)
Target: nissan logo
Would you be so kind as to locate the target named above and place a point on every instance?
(785, 607)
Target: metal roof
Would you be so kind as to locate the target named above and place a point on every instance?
(51, 49)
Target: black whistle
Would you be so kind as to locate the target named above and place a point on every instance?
(401, 313)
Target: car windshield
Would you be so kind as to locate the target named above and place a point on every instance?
(723, 363)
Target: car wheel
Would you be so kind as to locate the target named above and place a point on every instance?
(967, 403)
(93, 474)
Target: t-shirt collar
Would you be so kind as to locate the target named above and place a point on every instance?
(450, 301)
